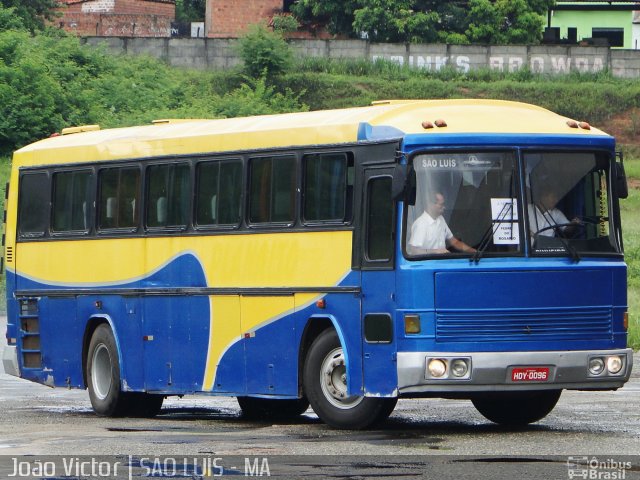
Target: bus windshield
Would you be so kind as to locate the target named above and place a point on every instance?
(568, 203)
(465, 203)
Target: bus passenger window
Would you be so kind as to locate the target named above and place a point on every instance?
(272, 191)
(219, 191)
(168, 192)
(328, 182)
(33, 212)
(71, 192)
(118, 197)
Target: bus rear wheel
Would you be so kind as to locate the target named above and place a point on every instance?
(257, 408)
(517, 408)
(103, 381)
(103, 375)
(325, 385)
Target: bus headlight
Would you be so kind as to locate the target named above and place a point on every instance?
(459, 368)
(596, 366)
(614, 364)
(437, 368)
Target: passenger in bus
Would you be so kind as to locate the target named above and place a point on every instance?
(547, 220)
(430, 232)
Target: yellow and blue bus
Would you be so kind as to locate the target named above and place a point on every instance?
(343, 259)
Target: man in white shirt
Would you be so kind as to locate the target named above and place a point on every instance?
(544, 216)
(430, 232)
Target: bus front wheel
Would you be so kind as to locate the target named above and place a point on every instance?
(325, 385)
(516, 408)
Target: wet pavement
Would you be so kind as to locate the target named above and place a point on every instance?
(38, 421)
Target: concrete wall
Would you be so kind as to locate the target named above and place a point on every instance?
(207, 53)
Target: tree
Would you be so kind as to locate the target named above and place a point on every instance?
(33, 14)
(264, 52)
(190, 10)
(472, 21)
(505, 21)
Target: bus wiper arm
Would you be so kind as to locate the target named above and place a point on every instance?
(486, 236)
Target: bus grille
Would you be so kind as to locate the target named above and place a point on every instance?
(522, 325)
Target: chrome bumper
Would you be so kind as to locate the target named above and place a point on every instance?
(10, 361)
(491, 371)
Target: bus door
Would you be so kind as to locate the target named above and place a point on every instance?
(378, 281)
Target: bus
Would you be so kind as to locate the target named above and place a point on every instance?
(342, 259)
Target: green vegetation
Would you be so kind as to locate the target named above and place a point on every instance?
(429, 21)
(49, 81)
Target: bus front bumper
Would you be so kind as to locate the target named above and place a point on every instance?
(453, 372)
(10, 361)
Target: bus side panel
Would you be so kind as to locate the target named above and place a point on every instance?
(61, 354)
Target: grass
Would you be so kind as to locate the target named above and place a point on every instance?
(630, 210)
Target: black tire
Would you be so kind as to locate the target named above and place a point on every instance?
(517, 408)
(325, 386)
(258, 408)
(103, 375)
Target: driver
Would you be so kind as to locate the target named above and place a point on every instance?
(547, 220)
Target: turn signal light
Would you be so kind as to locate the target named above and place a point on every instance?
(625, 321)
(412, 323)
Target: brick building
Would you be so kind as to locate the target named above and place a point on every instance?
(117, 18)
(230, 18)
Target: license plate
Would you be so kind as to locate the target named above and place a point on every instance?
(530, 374)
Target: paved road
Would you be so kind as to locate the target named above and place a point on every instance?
(37, 420)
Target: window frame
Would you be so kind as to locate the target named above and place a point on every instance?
(91, 199)
(347, 217)
(103, 231)
(198, 227)
(293, 155)
(146, 185)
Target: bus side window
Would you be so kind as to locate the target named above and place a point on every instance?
(218, 193)
(328, 188)
(71, 191)
(273, 190)
(33, 210)
(118, 197)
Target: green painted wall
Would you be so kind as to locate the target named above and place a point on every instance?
(585, 21)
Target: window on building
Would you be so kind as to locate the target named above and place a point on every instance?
(615, 36)
(219, 192)
(71, 201)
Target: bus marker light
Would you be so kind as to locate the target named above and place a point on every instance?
(584, 126)
(437, 367)
(440, 123)
(412, 323)
(147, 338)
(12, 341)
(572, 123)
(249, 334)
(322, 303)
(427, 124)
(614, 364)
(596, 366)
(625, 321)
(98, 305)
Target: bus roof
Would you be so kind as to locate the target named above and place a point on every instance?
(382, 120)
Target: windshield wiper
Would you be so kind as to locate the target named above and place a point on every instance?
(557, 228)
(486, 236)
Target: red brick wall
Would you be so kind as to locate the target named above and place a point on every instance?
(121, 18)
(230, 18)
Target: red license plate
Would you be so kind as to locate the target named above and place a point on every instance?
(530, 374)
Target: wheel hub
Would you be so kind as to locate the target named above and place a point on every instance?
(334, 381)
